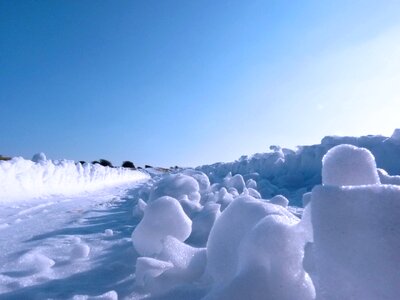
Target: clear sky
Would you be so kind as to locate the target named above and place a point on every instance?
(193, 82)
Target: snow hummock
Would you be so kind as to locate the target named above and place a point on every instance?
(349, 165)
(40, 177)
(162, 217)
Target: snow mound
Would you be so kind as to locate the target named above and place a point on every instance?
(33, 262)
(269, 264)
(40, 177)
(177, 186)
(349, 165)
(162, 217)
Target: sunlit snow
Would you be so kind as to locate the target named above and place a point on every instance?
(319, 222)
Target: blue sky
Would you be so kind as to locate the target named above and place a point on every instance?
(192, 82)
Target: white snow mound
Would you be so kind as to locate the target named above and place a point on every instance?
(349, 165)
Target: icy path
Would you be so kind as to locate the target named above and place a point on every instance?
(62, 247)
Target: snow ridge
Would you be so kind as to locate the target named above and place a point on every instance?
(40, 177)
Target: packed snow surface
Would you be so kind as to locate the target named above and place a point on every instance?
(212, 233)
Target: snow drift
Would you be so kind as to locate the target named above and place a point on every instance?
(24, 179)
(292, 173)
(237, 245)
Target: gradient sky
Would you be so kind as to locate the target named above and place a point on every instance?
(193, 82)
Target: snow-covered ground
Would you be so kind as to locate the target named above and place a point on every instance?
(226, 231)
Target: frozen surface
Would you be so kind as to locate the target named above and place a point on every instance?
(227, 231)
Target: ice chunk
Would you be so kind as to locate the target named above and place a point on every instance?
(164, 216)
(349, 165)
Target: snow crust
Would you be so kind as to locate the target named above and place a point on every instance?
(40, 177)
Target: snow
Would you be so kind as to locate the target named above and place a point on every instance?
(280, 200)
(292, 173)
(229, 230)
(162, 217)
(226, 231)
(349, 165)
(356, 234)
(23, 179)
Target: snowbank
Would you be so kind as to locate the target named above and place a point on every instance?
(234, 245)
(292, 173)
(23, 179)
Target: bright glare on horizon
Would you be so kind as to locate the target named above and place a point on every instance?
(193, 82)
